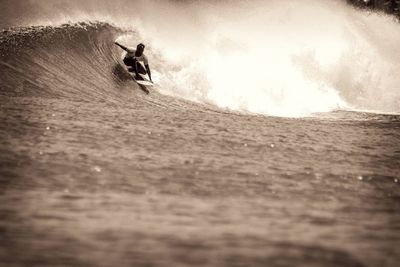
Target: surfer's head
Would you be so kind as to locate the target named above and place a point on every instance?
(139, 49)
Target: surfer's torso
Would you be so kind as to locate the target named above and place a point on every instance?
(131, 54)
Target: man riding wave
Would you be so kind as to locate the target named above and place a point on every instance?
(133, 58)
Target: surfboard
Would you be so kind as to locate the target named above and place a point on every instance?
(143, 81)
(143, 84)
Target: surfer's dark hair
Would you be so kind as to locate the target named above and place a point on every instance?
(142, 45)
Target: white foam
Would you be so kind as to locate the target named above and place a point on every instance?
(287, 58)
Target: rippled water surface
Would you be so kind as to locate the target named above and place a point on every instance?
(98, 184)
(94, 172)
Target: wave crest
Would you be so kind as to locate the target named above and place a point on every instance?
(282, 58)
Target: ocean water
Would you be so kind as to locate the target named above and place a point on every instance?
(271, 138)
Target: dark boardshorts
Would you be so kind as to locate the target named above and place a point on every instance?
(130, 62)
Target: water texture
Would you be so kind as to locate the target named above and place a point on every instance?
(288, 169)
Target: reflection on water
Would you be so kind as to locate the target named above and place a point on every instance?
(103, 185)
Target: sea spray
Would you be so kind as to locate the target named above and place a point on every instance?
(285, 58)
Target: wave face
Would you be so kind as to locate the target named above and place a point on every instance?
(284, 58)
(72, 60)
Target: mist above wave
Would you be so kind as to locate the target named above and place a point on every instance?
(285, 58)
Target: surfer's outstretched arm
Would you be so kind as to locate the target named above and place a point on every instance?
(120, 45)
(148, 71)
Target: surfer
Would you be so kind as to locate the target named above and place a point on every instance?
(133, 58)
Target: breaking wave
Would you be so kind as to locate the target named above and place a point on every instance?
(282, 58)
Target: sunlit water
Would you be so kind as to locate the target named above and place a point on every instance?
(94, 172)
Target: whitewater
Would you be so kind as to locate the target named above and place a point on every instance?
(294, 59)
(270, 138)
